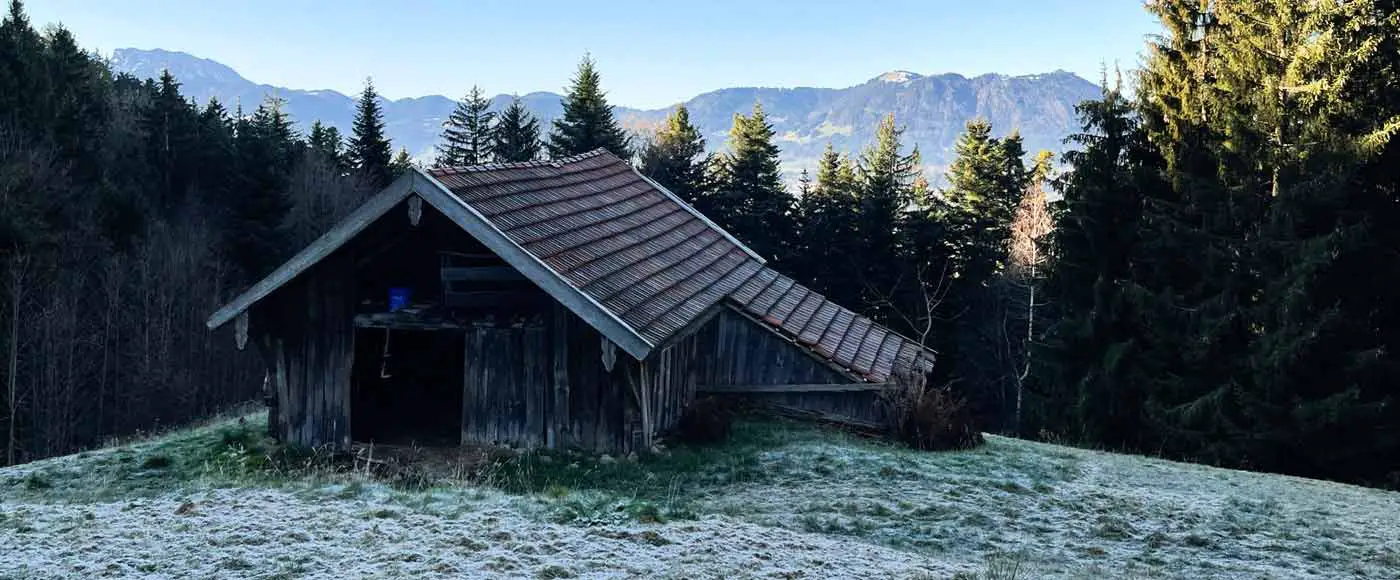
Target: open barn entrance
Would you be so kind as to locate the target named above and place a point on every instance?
(409, 392)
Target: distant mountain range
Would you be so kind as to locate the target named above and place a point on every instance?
(933, 108)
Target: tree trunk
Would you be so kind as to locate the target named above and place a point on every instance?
(1025, 352)
(12, 389)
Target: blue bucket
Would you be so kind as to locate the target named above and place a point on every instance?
(398, 298)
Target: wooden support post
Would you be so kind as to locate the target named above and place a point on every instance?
(557, 437)
(644, 400)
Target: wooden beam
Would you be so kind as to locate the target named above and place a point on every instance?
(492, 298)
(823, 417)
(805, 388)
(644, 389)
(482, 274)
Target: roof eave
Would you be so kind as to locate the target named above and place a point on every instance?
(347, 229)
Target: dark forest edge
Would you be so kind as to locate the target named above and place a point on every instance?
(1217, 282)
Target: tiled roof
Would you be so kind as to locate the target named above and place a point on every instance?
(655, 263)
(633, 248)
(841, 336)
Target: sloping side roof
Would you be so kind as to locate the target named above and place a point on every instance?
(622, 253)
(847, 339)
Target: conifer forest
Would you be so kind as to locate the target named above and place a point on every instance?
(1210, 272)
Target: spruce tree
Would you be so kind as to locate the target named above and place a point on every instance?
(266, 151)
(24, 85)
(467, 136)
(587, 122)
(1199, 283)
(169, 122)
(368, 151)
(829, 257)
(986, 181)
(516, 137)
(886, 173)
(1091, 379)
(1311, 111)
(79, 101)
(674, 157)
(214, 167)
(749, 198)
(401, 163)
(325, 140)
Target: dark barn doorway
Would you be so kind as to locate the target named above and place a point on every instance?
(412, 395)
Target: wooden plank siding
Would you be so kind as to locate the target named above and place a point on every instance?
(506, 377)
(741, 357)
(308, 337)
(674, 376)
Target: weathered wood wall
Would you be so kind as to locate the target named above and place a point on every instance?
(745, 352)
(507, 383)
(544, 384)
(673, 374)
(601, 412)
(306, 334)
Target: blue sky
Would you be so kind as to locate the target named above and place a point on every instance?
(651, 53)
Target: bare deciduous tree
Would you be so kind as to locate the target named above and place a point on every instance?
(1025, 258)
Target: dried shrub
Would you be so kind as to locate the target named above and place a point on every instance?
(930, 418)
(705, 421)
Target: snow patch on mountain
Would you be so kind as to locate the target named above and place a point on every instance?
(898, 76)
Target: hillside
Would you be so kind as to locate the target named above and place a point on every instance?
(934, 108)
(780, 500)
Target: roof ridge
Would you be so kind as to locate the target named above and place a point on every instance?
(485, 167)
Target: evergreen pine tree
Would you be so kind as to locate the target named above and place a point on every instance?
(517, 135)
(266, 151)
(215, 155)
(1198, 282)
(1311, 112)
(1091, 377)
(828, 257)
(986, 181)
(674, 157)
(886, 190)
(468, 134)
(368, 151)
(24, 84)
(78, 103)
(587, 122)
(401, 163)
(169, 122)
(325, 140)
(749, 199)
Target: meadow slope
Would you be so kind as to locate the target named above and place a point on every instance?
(780, 500)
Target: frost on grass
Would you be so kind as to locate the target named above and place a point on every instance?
(779, 500)
(1070, 513)
(279, 533)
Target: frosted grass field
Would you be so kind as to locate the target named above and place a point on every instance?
(780, 501)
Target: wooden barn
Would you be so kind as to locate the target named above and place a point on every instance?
(568, 303)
